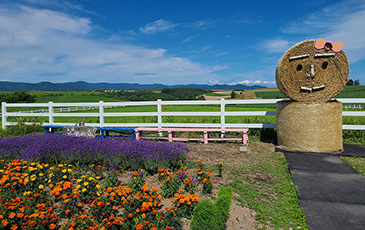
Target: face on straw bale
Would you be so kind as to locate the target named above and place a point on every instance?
(307, 74)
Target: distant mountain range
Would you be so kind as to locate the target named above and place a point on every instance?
(82, 86)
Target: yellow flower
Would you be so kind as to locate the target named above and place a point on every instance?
(64, 177)
(41, 186)
(64, 171)
(78, 180)
(78, 186)
(86, 183)
(97, 186)
(69, 170)
(41, 174)
(98, 194)
(98, 177)
(60, 165)
(91, 179)
(83, 190)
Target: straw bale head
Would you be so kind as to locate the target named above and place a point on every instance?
(308, 74)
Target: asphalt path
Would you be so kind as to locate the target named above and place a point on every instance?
(331, 193)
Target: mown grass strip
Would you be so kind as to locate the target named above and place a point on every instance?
(266, 186)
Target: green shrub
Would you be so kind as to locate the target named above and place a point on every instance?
(223, 204)
(205, 216)
(21, 129)
(208, 215)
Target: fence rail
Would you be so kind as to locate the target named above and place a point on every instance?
(57, 110)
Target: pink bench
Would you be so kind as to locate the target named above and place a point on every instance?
(206, 137)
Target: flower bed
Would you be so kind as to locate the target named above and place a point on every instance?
(132, 154)
(40, 196)
(86, 195)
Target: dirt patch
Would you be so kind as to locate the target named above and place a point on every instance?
(239, 217)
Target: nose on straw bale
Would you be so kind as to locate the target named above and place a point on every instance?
(306, 74)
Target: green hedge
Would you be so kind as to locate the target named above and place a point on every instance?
(213, 216)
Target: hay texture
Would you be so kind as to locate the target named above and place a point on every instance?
(309, 127)
(294, 78)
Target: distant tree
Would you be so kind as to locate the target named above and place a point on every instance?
(357, 82)
(350, 82)
(18, 97)
(233, 94)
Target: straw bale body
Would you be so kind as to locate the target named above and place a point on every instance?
(303, 75)
(309, 127)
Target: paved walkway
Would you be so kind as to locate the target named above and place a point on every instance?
(331, 193)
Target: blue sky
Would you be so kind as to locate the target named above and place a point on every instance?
(169, 41)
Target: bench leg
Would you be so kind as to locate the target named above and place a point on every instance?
(133, 135)
(137, 135)
(245, 138)
(205, 137)
(170, 136)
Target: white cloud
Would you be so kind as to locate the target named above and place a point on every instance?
(343, 21)
(157, 26)
(243, 82)
(46, 45)
(275, 46)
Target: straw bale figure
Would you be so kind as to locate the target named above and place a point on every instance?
(311, 74)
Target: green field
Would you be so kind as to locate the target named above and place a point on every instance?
(350, 136)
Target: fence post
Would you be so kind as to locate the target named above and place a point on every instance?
(101, 113)
(3, 116)
(223, 119)
(159, 116)
(50, 112)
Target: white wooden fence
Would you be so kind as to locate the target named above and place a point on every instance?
(52, 112)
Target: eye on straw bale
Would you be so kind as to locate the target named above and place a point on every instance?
(294, 79)
(309, 127)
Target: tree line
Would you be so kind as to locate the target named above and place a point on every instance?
(351, 82)
(17, 97)
(164, 94)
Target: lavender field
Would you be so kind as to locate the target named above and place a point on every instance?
(131, 154)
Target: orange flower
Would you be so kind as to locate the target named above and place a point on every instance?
(139, 227)
(44, 222)
(67, 211)
(130, 215)
(32, 223)
(153, 228)
(52, 226)
(204, 180)
(14, 227)
(5, 222)
(12, 215)
(80, 204)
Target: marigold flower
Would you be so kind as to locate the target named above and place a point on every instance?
(139, 227)
(5, 222)
(52, 226)
(41, 186)
(130, 215)
(14, 227)
(80, 204)
(44, 222)
(12, 215)
(32, 223)
(67, 211)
